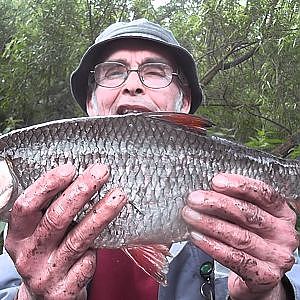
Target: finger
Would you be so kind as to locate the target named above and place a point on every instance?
(238, 289)
(244, 214)
(254, 191)
(83, 235)
(255, 273)
(77, 277)
(62, 211)
(240, 239)
(82, 271)
(27, 210)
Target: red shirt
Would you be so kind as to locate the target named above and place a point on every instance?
(117, 277)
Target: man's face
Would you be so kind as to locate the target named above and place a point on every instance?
(133, 96)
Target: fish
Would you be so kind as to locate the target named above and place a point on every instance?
(156, 158)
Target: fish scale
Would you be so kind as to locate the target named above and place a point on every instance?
(155, 160)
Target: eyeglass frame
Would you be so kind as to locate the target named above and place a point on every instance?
(128, 71)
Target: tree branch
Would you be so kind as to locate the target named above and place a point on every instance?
(211, 73)
(89, 8)
(221, 65)
(240, 59)
(292, 141)
(269, 120)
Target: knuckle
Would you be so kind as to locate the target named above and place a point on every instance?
(236, 259)
(253, 214)
(22, 207)
(52, 219)
(244, 240)
(290, 236)
(50, 181)
(238, 262)
(275, 199)
(286, 262)
(269, 276)
(83, 187)
(294, 239)
(74, 244)
(71, 248)
(266, 192)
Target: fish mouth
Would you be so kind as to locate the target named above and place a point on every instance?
(128, 109)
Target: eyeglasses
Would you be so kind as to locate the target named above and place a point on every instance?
(152, 75)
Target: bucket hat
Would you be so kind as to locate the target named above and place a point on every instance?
(137, 29)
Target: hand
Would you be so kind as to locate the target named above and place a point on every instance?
(246, 226)
(56, 263)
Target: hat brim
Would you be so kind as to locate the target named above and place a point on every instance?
(79, 78)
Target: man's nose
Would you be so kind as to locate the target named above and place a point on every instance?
(133, 84)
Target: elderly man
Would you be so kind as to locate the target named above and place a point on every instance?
(140, 67)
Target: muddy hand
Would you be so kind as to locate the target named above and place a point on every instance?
(247, 227)
(56, 263)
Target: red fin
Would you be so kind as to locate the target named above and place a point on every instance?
(197, 123)
(152, 259)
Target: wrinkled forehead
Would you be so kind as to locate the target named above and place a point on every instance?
(119, 49)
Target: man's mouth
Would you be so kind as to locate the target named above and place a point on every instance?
(124, 109)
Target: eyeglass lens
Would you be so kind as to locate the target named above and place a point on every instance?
(114, 74)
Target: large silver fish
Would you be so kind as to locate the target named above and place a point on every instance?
(157, 158)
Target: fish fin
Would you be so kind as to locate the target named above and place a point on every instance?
(197, 123)
(151, 259)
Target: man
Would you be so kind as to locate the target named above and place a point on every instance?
(139, 66)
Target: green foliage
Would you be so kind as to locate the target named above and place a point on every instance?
(41, 46)
(36, 62)
(295, 153)
(10, 124)
(264, 140)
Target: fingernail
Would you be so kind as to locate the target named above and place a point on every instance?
(191, 214)
(89, 264)
(99, 171)
(220, 181)
(116, 197)
(196, 197)
(67, 170)
(197, 236)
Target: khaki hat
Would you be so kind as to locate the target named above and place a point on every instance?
(137, 29)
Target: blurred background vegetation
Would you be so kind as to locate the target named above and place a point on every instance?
(247, 52)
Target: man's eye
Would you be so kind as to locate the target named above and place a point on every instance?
(154, 72)
(114, 73)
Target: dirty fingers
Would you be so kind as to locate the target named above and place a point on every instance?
(247, 227)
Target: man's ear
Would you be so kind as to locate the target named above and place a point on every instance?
(91, 105)
(186, 101)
